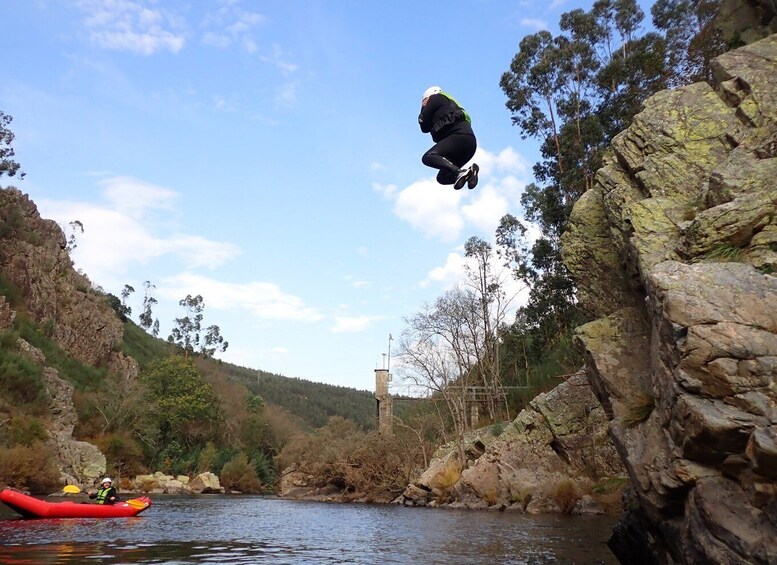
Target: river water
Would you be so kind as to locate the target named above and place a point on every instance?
(256, 529)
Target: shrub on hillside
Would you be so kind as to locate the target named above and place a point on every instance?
(123, 453)
(32, 468)
(238, 474)
(324, 454)
(23, 430)
(206, 461)
(20, 379)
(380, 463)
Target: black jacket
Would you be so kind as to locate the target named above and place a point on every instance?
(442, 117)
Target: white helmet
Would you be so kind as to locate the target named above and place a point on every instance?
(431, 90)
(107, 480)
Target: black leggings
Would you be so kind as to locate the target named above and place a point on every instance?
(450, 155)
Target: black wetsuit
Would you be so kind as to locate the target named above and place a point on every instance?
(455, 142)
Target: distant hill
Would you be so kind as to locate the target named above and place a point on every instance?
(314, 402)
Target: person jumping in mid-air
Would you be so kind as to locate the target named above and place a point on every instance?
(454, 140)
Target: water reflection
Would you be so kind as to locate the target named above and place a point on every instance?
(219, 529)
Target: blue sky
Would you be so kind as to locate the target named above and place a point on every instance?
(266, 155)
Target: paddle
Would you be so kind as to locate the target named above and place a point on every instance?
(71, 489)
(137, 503)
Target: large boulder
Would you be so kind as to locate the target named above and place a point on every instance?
(206, 483)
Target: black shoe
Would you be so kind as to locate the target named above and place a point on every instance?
(472, 177)
(461, 179)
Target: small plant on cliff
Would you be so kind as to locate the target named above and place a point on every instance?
(7, 288)
(490, 496)
(725, 252)
(638, 409)
(566, 496)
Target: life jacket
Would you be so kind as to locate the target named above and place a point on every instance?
(102, 495)
(463, 111)
(449, 118)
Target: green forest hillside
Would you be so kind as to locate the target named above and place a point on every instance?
(313, 403)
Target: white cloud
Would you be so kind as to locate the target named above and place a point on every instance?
(218, 40)
(134, 197)
(534, 23)
(453, 273)
(278, 58)
(117, 235)
(431, 208)
(262, 300)
(388, 191)
(229, 24)
(443, 213)
(485, 212)
(252, 357)
(127, 25)
(286, 94)
(221, 104)
(353, 324)
(449, 274)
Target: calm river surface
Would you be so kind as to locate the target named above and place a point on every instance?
(255, 529)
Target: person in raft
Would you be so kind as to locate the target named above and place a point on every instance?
(454, 139)
(106, 494)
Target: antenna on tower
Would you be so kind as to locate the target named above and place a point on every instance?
(388, 367)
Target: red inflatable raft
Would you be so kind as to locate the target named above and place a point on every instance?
(31, 507)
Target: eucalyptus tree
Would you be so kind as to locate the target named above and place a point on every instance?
(8, 166)
(126, 310)
(187, 332)
(692, 37)
(146, 319)
(75, 226)
(572, 92)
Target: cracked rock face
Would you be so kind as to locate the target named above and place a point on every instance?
(682, 221)
(34, 259)
(60, 300)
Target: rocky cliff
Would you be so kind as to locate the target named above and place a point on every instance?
(35, 261)
(674, 250)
